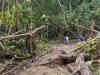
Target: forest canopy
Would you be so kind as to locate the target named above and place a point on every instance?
(29, 14)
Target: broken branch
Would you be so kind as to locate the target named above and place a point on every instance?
(26, 34)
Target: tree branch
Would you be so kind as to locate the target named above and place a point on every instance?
(31, 33)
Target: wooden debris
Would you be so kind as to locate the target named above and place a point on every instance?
(71, 67)
(60, 59)
(18, 67)
(5, 66)
(81, 67)
(31, 33)
(96, 61)
(66, 59)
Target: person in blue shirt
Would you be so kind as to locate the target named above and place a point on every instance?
(80, 37)
(66, 39)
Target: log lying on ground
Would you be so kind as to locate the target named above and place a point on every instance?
(66, 59)
(31, 33)
(62, 59)
(96, 61)
(71, 67)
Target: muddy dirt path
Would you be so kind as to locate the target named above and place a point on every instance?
(47, 70)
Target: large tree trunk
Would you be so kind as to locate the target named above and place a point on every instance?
(81, 67)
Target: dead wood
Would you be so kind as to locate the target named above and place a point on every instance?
(5, 66)
(60, 59)
(96, 61)
(20, 66)
(81, 67)
(49, 61)
(31, 33)
(66, 59)
(71, 67)
(20, 31)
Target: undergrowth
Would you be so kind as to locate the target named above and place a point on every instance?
(43, 45)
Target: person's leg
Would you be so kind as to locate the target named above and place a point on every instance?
(64, 40)
(67, 40)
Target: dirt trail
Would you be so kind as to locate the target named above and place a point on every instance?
(56, 50)
(46, 70)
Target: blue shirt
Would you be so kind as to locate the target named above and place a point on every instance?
(65, 37)
(80, 37)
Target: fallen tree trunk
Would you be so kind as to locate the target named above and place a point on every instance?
(81, 67)
(96, 61)
(31, 33)
(60, 59)
(63, 59)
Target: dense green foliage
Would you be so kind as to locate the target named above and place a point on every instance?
(60, 16)
(31, 13)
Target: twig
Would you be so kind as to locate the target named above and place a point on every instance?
(15, 68)
(7, 65)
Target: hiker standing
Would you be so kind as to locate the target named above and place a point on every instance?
(66, 39)
(80, 37)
